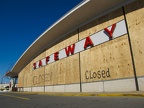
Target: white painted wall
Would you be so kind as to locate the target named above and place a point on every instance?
(121, 85)
(141, 83)
(38, 89)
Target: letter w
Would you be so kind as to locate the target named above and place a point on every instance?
(70, 49)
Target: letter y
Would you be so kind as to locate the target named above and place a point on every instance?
(110, 32)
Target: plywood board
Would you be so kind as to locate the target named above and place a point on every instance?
(101, 23)
(39, 57)
(24, 77)
(42, 55)
(31, 67)
(64, 71)
(110, 60)
(71, 65)
(48, 74)
(135, 20)
(38, 77)
(27, 76)
(20, 79)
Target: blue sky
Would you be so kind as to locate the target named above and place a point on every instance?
(22, 22)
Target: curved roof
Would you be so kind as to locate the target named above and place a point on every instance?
(78, 16)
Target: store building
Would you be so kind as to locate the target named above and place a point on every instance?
(95, 47)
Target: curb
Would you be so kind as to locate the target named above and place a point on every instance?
(84, 94)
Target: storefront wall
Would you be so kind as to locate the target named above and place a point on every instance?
(109, 65)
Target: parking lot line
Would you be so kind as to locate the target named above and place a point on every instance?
(15, 96)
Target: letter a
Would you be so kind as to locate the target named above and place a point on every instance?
(40, 63)
(88, 42)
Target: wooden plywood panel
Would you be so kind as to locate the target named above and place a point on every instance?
(31, 67)
(38, 77)
(48, 74)
(110, 60)
(39, 57)
(68, 40)
(64, 71)
(27, 76)
(71, 65)
(20, 79)
(55, 73)
(135, 20)
(24, 78)
(42, 55)
(101, 23)
(60, 72)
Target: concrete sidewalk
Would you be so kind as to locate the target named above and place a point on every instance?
(130, 94)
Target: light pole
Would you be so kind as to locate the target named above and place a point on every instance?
(1, 79)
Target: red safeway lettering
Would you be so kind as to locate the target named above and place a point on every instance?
(110, 32)
(40, 63)
(70, 49)
(34, 65)
(47, 59)
(88, 42)
(56, 56)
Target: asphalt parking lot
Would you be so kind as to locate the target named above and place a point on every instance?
(57, 100)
